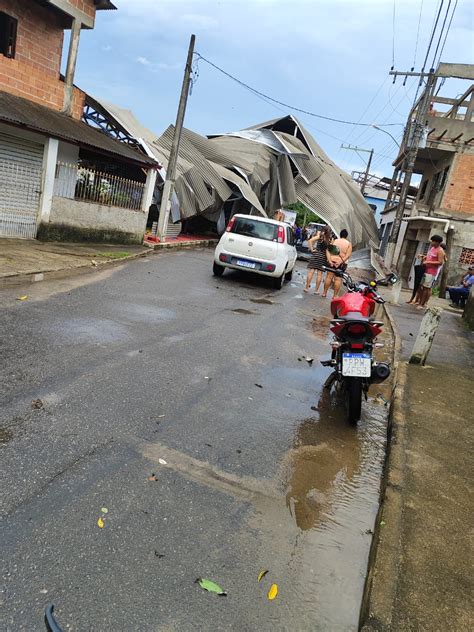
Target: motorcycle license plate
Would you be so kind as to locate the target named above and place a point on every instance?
(246, 264)
(356, 364)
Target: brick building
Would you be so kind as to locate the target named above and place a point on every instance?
(60, 178)
(445, 200)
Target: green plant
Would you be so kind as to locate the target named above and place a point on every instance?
(303, 214)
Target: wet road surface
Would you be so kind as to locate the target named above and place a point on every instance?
(158, 370)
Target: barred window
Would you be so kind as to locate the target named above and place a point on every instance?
(467, 256)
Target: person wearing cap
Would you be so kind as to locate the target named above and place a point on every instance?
(460, 293)
(433, 260)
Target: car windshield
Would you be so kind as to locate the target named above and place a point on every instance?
(255, 228)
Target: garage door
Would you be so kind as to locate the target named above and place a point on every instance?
(21, 164)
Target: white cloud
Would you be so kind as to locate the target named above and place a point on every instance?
(199, 21)
(143, 61)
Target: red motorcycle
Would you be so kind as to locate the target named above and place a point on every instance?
(355, 337)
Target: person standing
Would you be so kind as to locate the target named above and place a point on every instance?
(338, 261)
(431, 262)
(318, 247)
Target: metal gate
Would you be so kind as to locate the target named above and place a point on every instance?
(21, 164)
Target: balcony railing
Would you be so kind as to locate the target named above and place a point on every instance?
(91, 185)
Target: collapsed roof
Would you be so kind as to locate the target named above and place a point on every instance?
(266, 167)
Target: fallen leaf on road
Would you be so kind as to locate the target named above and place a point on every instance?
(206, 584)
(259, 385)
(36, 403)
(262, 574)
(22, 298)
(162, 462)
(100, 523)
(104, 510)
(273, 592)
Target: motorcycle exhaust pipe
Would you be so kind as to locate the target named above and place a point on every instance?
(380, 372)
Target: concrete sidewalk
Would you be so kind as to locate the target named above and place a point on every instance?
(421, 572)
(29, 260)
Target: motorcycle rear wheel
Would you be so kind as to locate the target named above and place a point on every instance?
(354, 399)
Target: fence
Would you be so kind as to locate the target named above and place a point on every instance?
(89, 184)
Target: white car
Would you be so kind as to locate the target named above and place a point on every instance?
(258, 245)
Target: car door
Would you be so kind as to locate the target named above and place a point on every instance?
(290, 246)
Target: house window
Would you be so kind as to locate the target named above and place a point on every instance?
(423, 188)
(8, 27)
(467, 256)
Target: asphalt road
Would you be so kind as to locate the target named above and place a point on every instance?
(151, 370)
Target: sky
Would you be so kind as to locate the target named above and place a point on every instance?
(329, 57)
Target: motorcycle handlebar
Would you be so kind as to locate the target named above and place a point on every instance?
(353, 286)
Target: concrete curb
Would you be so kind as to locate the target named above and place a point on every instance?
(381, 581)
(43, 275)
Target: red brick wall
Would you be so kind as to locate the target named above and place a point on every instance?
(459, 191)
(34, 72)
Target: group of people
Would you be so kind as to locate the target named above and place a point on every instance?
(428, 271)
(321, 256)
(301, 234)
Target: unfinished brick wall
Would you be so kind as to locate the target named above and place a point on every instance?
(34, 73)
(84, 5)
(459, 191)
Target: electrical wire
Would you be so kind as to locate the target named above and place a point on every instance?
(417, 34)
(441, 34)
(433, 31)
(447, 31)
(286, 105)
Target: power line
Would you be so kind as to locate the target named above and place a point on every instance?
(417, 34)
(441, 34)
(286, 105)
(447, 31)
(433, 31)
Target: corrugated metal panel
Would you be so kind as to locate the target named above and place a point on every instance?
(21, 164)
(286, 183)
(197, 184)
(244, 188)
(310, 169)
(38, 118)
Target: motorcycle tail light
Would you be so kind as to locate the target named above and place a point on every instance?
(281, 235)
(356, 329)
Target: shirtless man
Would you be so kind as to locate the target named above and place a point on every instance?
(338, 261)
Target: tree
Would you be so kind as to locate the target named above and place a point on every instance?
(303, 214)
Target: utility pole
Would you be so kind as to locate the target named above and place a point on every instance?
(173, 157)
(412, 137)
(369, 162)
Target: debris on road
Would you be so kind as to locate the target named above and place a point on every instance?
(100, 523)
(50, 621)
(262, 574)
(152, 477)
(22, 298)
(37, 403)
(259, 385)
(206, 584)
(104, 510)
(159, 555)
(273, 592)
(162, 462)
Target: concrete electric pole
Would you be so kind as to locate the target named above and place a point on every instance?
(173, 157)
(412, 137)
(369, 162)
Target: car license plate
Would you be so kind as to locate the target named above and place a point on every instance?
(246, 264)
(356, 364)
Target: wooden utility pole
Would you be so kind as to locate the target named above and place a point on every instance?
(173, 157)
(369, 162)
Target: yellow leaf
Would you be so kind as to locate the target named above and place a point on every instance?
(104, 510)
(100, 523)
(22, 298)
(261, 575)
(273, 592)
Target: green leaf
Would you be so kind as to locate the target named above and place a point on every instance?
(206, 584)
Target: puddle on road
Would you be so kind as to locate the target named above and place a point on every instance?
(90, 330)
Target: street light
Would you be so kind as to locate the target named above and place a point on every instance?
(388, 134)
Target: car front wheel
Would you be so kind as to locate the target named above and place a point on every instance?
(217, 270)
